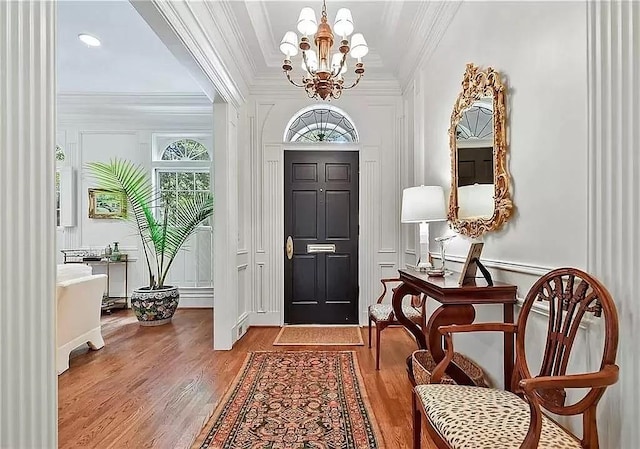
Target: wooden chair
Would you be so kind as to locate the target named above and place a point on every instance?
(460, 416)
(382, 314)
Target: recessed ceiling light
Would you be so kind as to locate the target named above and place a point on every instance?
(90, 40)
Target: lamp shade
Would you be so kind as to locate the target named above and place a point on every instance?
(476, 201)
(343, 25)
(423, 204)
(359, 46)
(289, 44)
(307, 23)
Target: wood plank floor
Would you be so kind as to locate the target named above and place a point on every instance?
(155, 387)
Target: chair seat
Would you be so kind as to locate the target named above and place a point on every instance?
(484, 418)
(384, 312)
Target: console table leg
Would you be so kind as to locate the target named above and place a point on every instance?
(508, 347)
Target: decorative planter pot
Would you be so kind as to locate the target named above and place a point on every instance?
(155, 307)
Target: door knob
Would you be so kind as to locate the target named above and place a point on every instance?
(289, 248)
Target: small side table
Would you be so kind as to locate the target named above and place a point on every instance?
(87, 257)
(111, 302)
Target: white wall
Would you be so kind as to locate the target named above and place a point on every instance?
(379, 122)
(547, 136)
(120, 132)
(564, 63)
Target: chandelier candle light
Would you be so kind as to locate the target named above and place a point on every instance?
(323, 73)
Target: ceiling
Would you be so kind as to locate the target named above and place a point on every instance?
(388, 26)
(131, 59)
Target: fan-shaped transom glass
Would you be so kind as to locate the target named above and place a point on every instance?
(321, 124)
(186, 150)
(476, 123)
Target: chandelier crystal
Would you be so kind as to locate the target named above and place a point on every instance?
(323, 72)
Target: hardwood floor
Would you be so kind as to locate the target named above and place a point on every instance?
(155, 387)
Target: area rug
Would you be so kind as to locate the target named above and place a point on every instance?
(319, 336)
(294, 400)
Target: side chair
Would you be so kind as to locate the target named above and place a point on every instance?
(460, 416)
(381, 313)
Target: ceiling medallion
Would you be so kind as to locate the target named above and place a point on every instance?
(323, 73)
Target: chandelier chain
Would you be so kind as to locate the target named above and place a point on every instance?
(324, 9)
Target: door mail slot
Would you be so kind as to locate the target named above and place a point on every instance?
(323, 248)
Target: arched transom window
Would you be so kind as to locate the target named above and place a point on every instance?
(321, 124)
(185, 150)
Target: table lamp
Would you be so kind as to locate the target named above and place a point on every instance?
(423, 204)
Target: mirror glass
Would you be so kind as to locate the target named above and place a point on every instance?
(475, 159)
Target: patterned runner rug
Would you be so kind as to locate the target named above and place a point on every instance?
(294, 400)
(305, 335)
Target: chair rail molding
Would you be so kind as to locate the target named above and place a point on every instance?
(614, 188)
(28, 382)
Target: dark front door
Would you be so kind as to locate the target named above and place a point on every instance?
(321, 217)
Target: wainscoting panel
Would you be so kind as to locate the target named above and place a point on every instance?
(28, 383)
(614, 198)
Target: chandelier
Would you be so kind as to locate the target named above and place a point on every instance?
(323, 73)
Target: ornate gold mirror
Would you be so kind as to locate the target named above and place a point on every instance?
(480, 200)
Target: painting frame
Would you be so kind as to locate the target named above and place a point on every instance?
(468, 273)
(107, 204)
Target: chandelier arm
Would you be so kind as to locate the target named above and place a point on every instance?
(355, 83)
(293, 82)
(306, 64)
(342, 62)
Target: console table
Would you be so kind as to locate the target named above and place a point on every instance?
(457, 306)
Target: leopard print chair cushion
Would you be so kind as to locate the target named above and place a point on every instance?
(483, 418)
(384, 312)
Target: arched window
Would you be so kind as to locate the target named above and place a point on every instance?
(182, 170)
(185, 150)
(320, 123)
(60, 156)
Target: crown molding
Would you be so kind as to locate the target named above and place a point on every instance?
(430, 23)
(141, 108)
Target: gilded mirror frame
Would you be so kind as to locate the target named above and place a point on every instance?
(477, 84)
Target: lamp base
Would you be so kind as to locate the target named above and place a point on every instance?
(424, 267)
(436, 272)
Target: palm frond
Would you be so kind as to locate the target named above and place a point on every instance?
(161, 240)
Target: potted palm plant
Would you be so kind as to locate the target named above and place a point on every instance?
(163, 228)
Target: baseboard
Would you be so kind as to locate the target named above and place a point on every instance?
(196, 298)
(241, 327)
(264, 319)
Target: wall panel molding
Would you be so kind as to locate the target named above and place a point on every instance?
(614, 197)
(28, 382)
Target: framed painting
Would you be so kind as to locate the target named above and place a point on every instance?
(107, 204)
